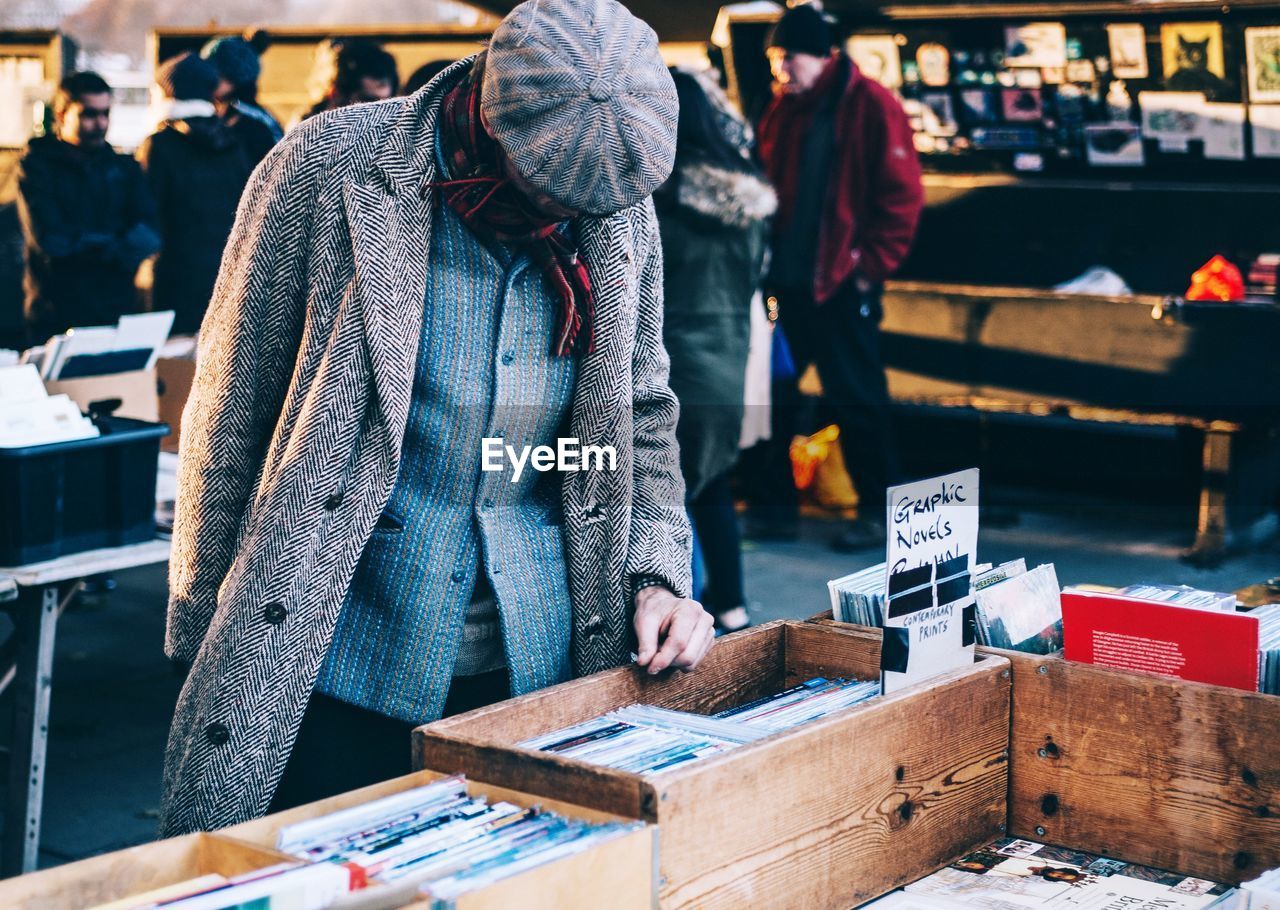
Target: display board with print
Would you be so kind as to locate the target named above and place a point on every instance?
(930, 554)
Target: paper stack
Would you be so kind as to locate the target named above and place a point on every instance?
(132, 344)
(1015, 873)
(29, 416)
(859, 597)
(645, 739)
(438, 840)
(1181, 596)
(803, 703)
(1269, 654)
(1263, 893)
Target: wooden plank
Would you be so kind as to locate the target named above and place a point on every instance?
(262, 831)
(1178, 775)
(1027, 405)
(958, 184)
(133, 871)
(845, 808)
(537, 773)
(91, 562)
(616, 874)
(836, 651)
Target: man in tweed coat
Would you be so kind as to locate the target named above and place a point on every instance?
(404, 279)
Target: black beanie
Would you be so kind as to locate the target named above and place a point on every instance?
(187, 78)
(804, 30)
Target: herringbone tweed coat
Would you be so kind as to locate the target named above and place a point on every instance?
(291, 439)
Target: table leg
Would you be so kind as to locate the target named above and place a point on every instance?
(35, 619)
(1211, 528)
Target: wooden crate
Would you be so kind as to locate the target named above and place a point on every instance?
(619, 873)
(134, 871)
(1174, 774)
(825, 815)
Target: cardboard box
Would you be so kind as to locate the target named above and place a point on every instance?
(825, 815)
(174, 378)
(1180, 775)
(136, 391)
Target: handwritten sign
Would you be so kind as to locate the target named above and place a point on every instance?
(932, 548)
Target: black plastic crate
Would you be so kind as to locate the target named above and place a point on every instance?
(67, 497)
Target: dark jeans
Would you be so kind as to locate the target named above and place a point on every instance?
(341, 747)
(842, 338)
(716, 521)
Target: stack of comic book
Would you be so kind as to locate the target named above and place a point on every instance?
(648, 740)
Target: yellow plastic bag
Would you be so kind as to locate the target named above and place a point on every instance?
(807, 452)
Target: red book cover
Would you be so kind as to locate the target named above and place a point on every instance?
(1129, 634)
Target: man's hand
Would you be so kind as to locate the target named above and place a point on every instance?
(671, 631)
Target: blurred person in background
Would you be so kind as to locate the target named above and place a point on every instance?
(713, 214)
(196, 169)
(355, 70)
(87, 216)
(238, 62)
(424, 74)
(838, 148)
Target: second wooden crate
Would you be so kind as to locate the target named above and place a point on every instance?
(1160, 771)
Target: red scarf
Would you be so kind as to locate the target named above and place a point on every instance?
(781, 136)
(490, 205)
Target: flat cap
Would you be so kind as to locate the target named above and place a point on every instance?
(578, 97)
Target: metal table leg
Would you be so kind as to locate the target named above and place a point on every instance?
(35, 618)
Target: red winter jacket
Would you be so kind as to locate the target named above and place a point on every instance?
(874, 194)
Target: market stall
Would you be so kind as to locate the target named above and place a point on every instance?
(1060, 138)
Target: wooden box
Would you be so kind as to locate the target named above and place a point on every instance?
(1175, 774)
(828, 814)
(618, 873)
(1180, 775)
(134, 871)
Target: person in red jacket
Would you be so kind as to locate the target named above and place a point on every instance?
(838, 149)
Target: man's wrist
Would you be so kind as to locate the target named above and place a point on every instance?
(643, 582)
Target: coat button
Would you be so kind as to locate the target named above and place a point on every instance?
(594, 625)
(217, 734)
(459, 576)
(274, 613)
(508, 358)
(333, 502)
